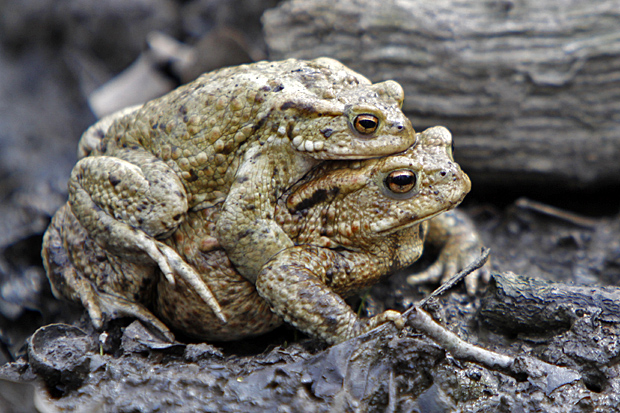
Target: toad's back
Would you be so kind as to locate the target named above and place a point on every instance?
(203, 129)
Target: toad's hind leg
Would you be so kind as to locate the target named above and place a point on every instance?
(127, 200)
(68, 282)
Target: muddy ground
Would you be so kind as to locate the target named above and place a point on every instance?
(52, 58)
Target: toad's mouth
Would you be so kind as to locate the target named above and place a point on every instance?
(386, 227)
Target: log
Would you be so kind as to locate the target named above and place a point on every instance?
(520, 304)
(530, 90)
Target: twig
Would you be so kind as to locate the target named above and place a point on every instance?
(455, 279)
(551, 378)
(551, 211)
(422, 321)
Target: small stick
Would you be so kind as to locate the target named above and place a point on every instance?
(556, 376)
(422, 321)
(551, 211)
(455, 279)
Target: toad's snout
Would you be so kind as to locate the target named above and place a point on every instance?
(451, 182)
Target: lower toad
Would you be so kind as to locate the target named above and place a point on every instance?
(352, 223)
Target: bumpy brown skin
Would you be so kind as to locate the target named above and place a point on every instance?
(349, 230)
(235, 138)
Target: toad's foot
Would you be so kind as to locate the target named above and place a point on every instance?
(368, 324)
(456, 235)
(171, 265)
(456, 254)
(101, 305)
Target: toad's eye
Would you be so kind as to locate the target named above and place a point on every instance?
(366, 123)
(400, 182)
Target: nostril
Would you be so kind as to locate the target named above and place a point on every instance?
(443, 173)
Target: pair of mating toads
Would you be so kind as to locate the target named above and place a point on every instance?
(255, 195)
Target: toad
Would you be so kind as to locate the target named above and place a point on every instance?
(352, 223)
(235, 138)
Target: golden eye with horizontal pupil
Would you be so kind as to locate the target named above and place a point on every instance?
(400, 182)
(366, 123)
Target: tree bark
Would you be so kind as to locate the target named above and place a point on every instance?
(519, 304)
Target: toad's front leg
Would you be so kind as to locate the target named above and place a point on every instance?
(127, 201)
(246, 228)
(301, 284)
(459, 243)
